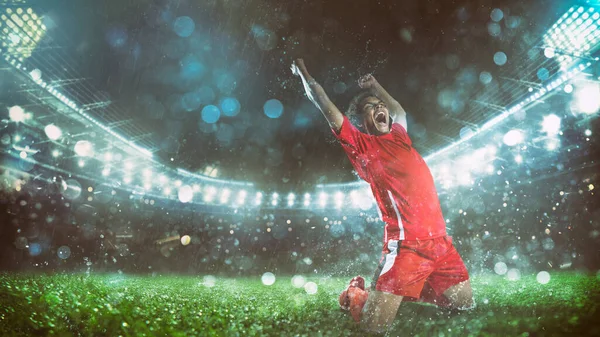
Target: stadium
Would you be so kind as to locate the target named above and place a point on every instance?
(163, 174)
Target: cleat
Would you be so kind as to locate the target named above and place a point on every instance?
(353, 299)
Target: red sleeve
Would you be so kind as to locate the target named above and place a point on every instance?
(354, 144)
(401, 134)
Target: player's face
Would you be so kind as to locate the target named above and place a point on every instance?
(376, 116)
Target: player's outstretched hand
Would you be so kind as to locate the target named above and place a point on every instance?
(298, 67)
(367, 81)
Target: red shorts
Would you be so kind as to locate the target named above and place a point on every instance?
(407, 266)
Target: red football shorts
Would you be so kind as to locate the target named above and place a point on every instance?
(408, 266)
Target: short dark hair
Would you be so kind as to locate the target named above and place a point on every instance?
(355, 110)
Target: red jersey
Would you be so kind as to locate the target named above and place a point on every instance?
(400, 180)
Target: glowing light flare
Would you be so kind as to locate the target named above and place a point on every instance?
(552, 144)
(513, 137)
(339, 199)
(519, 159)
(225, 195)
(323, 199)
(209, 193)
(185, 194)
(551, 125)
(587, 98)
(290, 199)
(306, 199)
(185, 240)
(83, 148)
(16, 114)
(258, 198)
(241, 197)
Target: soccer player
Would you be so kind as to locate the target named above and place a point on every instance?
(419, 261)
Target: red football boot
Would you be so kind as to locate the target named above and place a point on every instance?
(354, 297)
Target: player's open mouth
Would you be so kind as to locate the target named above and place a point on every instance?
(381, 118)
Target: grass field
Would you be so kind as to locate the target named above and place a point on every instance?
(113, 305)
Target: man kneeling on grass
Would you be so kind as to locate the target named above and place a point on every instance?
(419, 261)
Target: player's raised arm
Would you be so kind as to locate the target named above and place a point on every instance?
(396, 110)
(317, 95)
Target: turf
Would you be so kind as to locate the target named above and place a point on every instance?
(121, 305)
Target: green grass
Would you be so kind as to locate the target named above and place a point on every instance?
(113, 305)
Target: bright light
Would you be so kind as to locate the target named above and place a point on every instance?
(84, 148)
(323, 199)
(53, 132)
(587, 98)
(178, 183)
(185, 194)
(209, 193)
(258, 199)
(552, 144)
(551, 125)
(225, 195)
(129, 166)
(355, 199)
(549, 52)
(108, 156)
(36, 74)
(147, 173)
(166, 191)
(290, 199)
(588, 132)
(55, 153)
(513, 137)
(16, 114)
(241, 198)
(127, 180)
(23, 154)
(306, 199)
(106, 171)
(518, 159)
(339, 199)
(568, 88)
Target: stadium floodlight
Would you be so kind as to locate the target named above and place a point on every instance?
(128, 166)
(339, 200)
(258, 198)
(574, 35)
(290, 199)
(209, 193)
(323, 199)
(306, 199)
(225, 195)
(21, 31)
(241, 197)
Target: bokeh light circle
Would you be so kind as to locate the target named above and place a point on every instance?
(211, 114)
(273, 108)
(230, 106)
(184, 26)
(268, 278)
(63, 252)
(500, 58)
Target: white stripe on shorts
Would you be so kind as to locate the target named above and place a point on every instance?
(390, 257)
